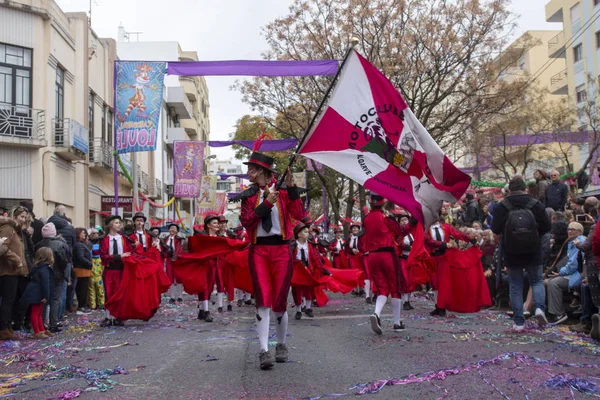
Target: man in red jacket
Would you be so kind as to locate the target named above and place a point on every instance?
(384, 266)
(173, 241)
(437, 240)
(113, 248)
(267, 213)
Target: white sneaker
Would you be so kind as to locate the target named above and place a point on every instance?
(541, 317)
(518, 328)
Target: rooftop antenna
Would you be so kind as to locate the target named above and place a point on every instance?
(90, 19)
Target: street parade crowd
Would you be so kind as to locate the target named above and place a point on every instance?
(532, 248)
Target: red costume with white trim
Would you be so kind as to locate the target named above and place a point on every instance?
(169, 257)
(113, 264)
(437, 248)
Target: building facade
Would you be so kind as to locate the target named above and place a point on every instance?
(56, 110)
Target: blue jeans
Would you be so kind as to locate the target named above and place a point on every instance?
(587, 306)
(515, 279)
(63, 300)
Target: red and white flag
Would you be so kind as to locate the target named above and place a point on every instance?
(368, 133)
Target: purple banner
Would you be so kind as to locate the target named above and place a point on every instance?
(546, 137)
(253, 68)
(267, 145)
(227, 176)
(188, 164)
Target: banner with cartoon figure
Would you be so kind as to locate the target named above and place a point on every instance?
(206, 200)
(138, 95)
(188, 164)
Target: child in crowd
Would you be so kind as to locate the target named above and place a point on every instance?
(96, 286)
(39, 290)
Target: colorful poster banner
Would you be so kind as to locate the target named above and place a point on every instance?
(188, 165)
(138, 95)
(220, 203)
(299, 178)
(207, 199)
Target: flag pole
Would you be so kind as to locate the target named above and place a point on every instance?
(353, 42)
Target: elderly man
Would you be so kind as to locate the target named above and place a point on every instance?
(556, 193)
(568, 277)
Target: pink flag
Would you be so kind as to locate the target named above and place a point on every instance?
(368, 133)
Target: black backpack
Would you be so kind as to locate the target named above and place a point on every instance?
(520, 230)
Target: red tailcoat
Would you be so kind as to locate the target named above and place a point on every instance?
(140, 248)
(381, 231)
(176, 252)
(109, 261)
(432, 245)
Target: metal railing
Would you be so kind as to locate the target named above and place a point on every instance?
(558, 78)
(22, 122)
(144, 182)
(557, 41)
(155, 188)
(101, 153)
(60, 132)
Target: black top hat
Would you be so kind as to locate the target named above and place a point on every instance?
(222, 219)
(173, 224)
(376, 200)
(154, 231)
(299, 226)
(262, 160)
(139, 214)
(337, 229)
(307, 220)
(355, 223)
(208, 218)
(112, 218)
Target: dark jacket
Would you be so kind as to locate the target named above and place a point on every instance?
(62, 255)
(586, 248)
(471, 213)
(541, 186)
(37, 226)
(40, 285)
(546, 248)
(520, 200)
(82, 256)
(556, 196)
(29, 250)
(64, 229)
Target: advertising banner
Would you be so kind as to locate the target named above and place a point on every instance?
(188, 166)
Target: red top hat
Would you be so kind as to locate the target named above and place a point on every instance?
(307, 220)
(337, 229)
(355, 223)
(222, 219)
(256, 158)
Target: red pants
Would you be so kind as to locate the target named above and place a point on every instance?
(385, 273)
(299, 293)
(36, 318)
(112, 280)
(271, 268)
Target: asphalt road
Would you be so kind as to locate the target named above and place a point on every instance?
(175, 356)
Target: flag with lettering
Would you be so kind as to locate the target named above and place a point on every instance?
(367, 132)
(138, 95)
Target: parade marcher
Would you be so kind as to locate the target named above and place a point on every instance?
(384, 266)
(224, 279)
(173, 242)
(113, 249)
(336, 246)
(140, 236)
(437, 240)
(355, 253)
(211, 228)
(267, 213)
(406, 244)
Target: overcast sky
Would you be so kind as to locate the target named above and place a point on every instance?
(223, 30)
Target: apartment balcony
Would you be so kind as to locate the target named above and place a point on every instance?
(155, 189)
(559, 83)
(101, 155)
(22, 126)
(190, 126)
(142, 180)
(178, 102)
(556, 46)
(554, 10)
(189, 85)
(174, 135)
(70, 139)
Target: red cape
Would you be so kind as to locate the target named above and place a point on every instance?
(464, 288)
(238, 260)
(419, 262)
(144, 280)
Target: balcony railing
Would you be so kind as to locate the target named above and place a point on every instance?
(101, 154)
(558, 83)
(143, 180)
(155, 189)
(22, 122)
(556, 42)
(69, 138)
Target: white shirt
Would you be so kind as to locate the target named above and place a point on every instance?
(143, 242)
(119, 244)
(433, 232)
(338, 244)
(354, 242)
(408, 239)
(299, 251)
(172, 242)
(276, 225)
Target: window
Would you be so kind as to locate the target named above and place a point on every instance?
(581, 94)
(15, 77)
(110, 126)
(575, 13)
(578, 53)
(104, 111)
(91, 123)
(226, 186)
(598, 39)
(59, 95)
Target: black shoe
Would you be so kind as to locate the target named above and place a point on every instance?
(201, 314)
(220, 309)
(239, 303)
(179, 300)
(248, 302)
(369, 300)
(229, 307)
(438, 312)
(281, 353)
(309, 312)
(118, 322)
(407, 306)
(303, 308)
(298, 315)
(207, 317)
(106, 322)
(55, 330)
(266, 359)
(399, 328)
(595, 332)
(171, 301)
(376, 324)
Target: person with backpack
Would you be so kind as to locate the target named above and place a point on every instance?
(522, 221)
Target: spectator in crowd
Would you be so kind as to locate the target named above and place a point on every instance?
(521, 247)
(592, 201)
(569, 217)
(82, 267)
(492, 202)
(541, 184)
(588, 308)
(558, 216)
(477, 226)
(62, 259)
(568, 277)
(19, 310)
(446, 215)
(556, 193)
(488, 217)
(63, 228)
(12, 265)
(36, 224)
(471, 211)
